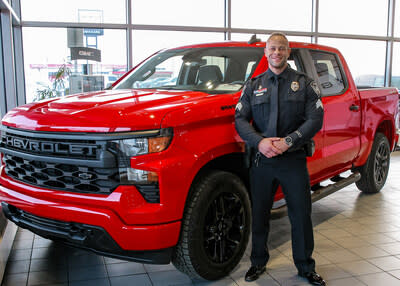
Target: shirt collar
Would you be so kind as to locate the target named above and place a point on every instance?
(283, 74)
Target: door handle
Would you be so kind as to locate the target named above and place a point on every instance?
(354, 107)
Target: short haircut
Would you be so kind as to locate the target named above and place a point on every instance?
(278, 34)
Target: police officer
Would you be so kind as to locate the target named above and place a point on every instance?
(277, 115)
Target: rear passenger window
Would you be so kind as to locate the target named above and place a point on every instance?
(329, 73)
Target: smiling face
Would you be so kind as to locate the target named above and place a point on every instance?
(277, 52)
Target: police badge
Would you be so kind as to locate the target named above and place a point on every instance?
(295, 86)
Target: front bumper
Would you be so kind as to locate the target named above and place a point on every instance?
(97, 228)
(84, 236)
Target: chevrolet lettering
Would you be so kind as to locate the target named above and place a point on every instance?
(48, 147)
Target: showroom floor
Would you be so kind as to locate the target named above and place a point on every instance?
(357, 242)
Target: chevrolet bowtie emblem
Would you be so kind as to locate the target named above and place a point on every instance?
(85, 176)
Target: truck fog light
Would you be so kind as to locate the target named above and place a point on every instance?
(137, 176)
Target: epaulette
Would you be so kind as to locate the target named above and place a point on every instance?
(250, 80)
(260, 75)
(300, 73)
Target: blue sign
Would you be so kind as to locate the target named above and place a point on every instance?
(93, 32)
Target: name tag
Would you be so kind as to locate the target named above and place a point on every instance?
(260, 91)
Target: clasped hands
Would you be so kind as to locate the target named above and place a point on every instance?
(272, 146)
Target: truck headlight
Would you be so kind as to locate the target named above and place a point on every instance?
(140, 146)
(131, 147)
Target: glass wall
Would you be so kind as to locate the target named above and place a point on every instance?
(358, 17)
(52, 70)
(366, 59)
(88, 11)
(396, 66)
(145, 43)
(120, 38)
(397, 19)
(263, 37)
(287, 15)
(180, 13)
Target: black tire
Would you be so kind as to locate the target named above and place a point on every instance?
(215, 227)
(376, 169)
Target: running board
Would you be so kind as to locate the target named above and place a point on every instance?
(321, 192)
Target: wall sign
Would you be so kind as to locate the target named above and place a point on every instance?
(83, 53)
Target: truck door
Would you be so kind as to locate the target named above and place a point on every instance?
(342, 119)
(298, 60)
(301, 59)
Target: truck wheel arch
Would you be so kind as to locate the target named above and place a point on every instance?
(231, 163)
(387, 128)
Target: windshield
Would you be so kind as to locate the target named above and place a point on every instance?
(220, 69)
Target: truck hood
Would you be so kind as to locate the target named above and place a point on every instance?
(103, 111)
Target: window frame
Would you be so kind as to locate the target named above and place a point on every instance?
(315, 74)
(295, 56)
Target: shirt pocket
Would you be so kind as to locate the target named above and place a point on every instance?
(261, 98)
(260, 109)
(298, 95)
(295, 101)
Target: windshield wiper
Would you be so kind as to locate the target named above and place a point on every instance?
(167, 87)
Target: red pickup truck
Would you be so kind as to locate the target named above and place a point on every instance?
(151, 170)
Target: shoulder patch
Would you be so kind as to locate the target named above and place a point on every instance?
(319, 104)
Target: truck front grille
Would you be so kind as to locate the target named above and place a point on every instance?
(59, 176)
(69, 162)
(60, 161)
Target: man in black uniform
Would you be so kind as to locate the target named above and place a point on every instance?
(277, 115)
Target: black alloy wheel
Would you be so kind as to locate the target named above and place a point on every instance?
(381, 163)
(223, 227)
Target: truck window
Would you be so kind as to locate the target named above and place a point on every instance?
(329, 72)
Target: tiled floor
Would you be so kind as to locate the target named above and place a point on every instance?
(357, 242)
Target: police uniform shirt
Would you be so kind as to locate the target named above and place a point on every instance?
(300, 114)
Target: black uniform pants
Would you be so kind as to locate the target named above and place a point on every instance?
(290, 171)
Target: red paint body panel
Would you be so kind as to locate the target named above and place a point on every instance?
(203, 131)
